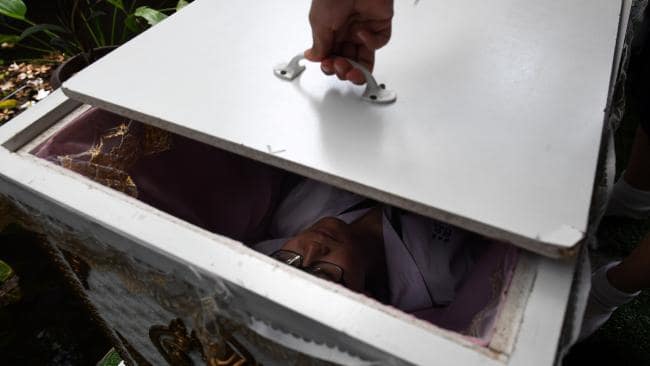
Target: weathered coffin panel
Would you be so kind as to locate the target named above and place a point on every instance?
(150, 275)
(151, 279)
(175, 313)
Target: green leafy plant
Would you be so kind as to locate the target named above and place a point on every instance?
(81, 25)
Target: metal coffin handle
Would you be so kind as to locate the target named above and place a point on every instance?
(374, 93)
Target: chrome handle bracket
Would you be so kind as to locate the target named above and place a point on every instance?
(374, 93)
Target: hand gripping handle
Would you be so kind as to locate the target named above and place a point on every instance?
(374, 93)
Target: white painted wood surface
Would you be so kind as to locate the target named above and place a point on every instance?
(69, 197)
(26, 126)
(541, 327)
(87, 205)
(496, 128)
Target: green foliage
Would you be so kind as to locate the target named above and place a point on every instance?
(117, 3)
(41, 28)
(9, 38)
(82, 24)
(6, 272)
(13, 8)
(112, 358)
(131, 23)
(152, 16)
(7, 104)
(181, 4)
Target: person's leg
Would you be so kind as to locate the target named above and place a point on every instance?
(631, 194)
(637, 173)
(618, 283)
(633, 273)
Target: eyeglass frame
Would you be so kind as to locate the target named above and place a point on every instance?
(299, 257)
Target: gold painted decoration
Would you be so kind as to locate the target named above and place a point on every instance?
(219, 327)
(156, 140)
(108, 161)
(175, 344)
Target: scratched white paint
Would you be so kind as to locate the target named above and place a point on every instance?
(500, 93)
(496, 128)
(148, 234)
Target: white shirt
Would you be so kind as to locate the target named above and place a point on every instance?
(426, 264)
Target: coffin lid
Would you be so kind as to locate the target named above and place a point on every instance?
(496, 128)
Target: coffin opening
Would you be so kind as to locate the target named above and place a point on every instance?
(442, 274)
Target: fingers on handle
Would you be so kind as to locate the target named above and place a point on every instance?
(345, 71)
(356, 76)
(327, 65)
(342, 67)
(365, 57)
(323, 42)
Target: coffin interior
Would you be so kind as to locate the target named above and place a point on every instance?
(78, 126)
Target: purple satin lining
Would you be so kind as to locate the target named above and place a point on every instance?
(235, 196)
(208, 187)
(480, 298)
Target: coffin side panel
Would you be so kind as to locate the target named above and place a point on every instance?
(105, 220)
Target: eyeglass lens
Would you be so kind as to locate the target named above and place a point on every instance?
(324, 270)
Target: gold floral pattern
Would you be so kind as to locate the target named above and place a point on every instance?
(175, 344)
(155, 140)
(219, 329)
(119, 149)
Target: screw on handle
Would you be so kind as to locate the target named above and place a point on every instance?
(374, 93)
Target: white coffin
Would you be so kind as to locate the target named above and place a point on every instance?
(497, 129)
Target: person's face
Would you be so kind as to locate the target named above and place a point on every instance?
(332, 240)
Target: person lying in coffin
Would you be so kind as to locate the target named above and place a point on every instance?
(437, 272)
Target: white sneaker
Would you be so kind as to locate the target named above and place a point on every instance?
(603, 300)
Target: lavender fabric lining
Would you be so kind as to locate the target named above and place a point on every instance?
(235, 197)
(208, 187)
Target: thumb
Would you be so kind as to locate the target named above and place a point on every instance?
(323, 42)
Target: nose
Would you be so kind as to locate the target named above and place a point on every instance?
(313, 252)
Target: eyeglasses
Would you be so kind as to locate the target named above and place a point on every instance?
(325, 270)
